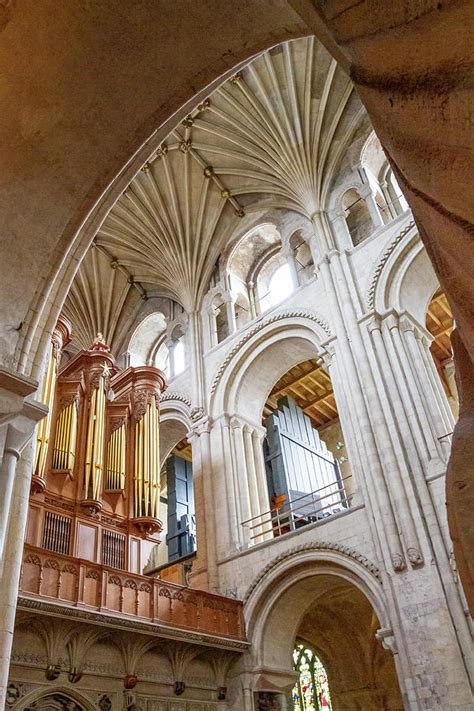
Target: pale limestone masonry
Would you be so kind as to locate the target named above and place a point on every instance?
(90, 98)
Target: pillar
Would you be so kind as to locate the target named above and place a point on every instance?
(342, 236)
(19, 417)
(367, 195)
(204, 487)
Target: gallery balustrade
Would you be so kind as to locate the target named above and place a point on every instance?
(89, 586)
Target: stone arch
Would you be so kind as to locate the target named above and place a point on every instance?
(241, 371)
(143, 341)
(68, 694)
(403, 278)
(278, 601)
(175, 421)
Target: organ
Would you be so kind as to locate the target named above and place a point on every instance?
(302, 473)
(96, 482)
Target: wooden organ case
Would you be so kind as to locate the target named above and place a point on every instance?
(96, 482)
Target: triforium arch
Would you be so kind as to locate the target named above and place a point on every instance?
(253, 365)
(285, 595)
(403, 277)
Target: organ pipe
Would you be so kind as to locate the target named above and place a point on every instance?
(147, 467)
(91, 431)
(65, 438)
(44, 427)
(115, 476)
(95, 443)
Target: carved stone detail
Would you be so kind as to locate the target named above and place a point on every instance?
(316, 546)
(301, 313)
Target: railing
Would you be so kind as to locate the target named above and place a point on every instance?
(305, 509)
(85, 585)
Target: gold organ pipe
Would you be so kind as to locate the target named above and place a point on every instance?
(123, 454)
(99, 442)
(135, 473)
(140, 466)
(48, 391)
(152, 456)
(89, 445)
(67, 429)
(116, 460)
(146, 460)
(72, 436)
(155, 460)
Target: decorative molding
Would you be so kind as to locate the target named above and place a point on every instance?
(119, 622)
(173, 395)
(370, 298)
(280, 316)
(315, 546)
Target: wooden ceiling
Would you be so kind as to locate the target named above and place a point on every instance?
(310, 386)
(439, 322)
(183, 449)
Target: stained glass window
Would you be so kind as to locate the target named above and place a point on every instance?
(311, 691)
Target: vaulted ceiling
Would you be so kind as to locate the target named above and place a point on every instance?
(273, 135)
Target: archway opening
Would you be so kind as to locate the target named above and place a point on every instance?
(308, 471)
(358, 218)
(171, 560)
(440, 323)
(316, 615)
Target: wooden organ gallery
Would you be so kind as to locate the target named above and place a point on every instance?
(96, 481)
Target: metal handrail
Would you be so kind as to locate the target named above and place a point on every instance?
(284, 518)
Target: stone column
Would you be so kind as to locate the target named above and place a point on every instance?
(387, 534)
(263, 498)
(256, 534)
(19, 417)
(291, 261)
(410, 589)
(229, 301)
(241, 476)
(205, 512)
(254, 312)
(367, 195)
(342, 236)
(231, 490)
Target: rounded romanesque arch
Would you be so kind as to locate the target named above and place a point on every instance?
(242, 384)
(403, 277)
(330, 596)
(175, 421)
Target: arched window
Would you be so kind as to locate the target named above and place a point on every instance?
(280, 285)
(303, 258)
(162, 359)
(222, 323)
(397, 197)
(178, 357)
(311, 691)
(358, 219)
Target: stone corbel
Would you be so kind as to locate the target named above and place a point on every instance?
(387, 637)
(14, 387)
(20, 423)
(77, 646)
(201, 423)
(180, 655)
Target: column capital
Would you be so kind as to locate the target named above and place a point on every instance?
(387, 637)
(373, 323)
